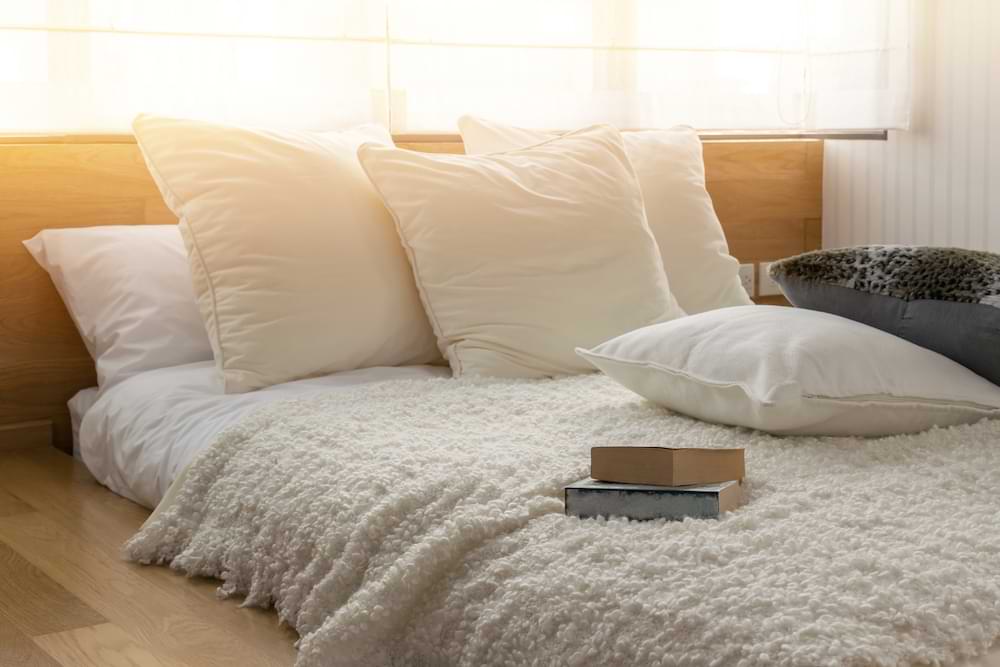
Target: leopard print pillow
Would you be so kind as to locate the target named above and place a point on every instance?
(944, 299)
(904, 272)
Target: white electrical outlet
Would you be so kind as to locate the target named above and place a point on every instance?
(766, 286)
(748, 278)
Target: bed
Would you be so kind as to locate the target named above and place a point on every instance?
(768, 195)
(405, 543)
(139, 435)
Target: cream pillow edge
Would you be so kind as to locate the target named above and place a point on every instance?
(881, 400)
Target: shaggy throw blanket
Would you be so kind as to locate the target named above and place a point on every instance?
(420, 523)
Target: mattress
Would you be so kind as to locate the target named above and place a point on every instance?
(141, 433)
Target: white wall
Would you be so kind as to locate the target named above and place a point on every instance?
(939, 183)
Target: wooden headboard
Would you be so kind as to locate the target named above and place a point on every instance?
(768, 195)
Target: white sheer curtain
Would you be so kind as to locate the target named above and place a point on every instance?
(90, 65)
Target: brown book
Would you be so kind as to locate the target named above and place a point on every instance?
(665, 466)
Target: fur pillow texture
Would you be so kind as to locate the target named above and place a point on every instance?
(944, 299)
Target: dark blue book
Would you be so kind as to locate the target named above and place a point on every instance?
(590, 498)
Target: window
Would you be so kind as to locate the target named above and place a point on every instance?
(91, 65)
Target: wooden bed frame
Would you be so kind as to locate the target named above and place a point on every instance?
(768, 195)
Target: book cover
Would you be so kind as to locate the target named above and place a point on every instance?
(592, 498)
(666, 466)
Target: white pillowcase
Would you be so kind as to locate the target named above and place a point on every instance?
(296, 264)
(521, 256)
(703, 275)
(795, 371)
(128, 290)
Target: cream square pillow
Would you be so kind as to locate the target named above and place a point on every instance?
(297, 267)
(522, 256)
(703, 275)
(795, 371)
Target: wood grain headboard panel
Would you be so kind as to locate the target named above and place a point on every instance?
(768, 195)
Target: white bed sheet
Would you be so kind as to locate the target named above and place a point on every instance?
(81, 402)
(141, 433)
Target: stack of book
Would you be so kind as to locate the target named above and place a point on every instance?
(645, 483)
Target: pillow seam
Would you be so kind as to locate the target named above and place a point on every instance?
(858, 400)
(673, 371)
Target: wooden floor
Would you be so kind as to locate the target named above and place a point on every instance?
(67, 599)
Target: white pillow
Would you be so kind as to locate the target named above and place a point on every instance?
(128, 290)
(521, 256)
(796, 371)
(296, 265)
(703, 275)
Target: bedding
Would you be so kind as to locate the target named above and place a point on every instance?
(297, 268)
(671, 171)
(795, 371)
(128, 290)
(519, 257)
(944, 299)
(142, 433)
(427, 529)
(78, 406)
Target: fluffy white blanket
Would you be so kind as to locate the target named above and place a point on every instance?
(420, 523)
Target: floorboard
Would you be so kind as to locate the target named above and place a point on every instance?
(35, 603)
(10, 505)
(67, 598)
(17, 649)
(98, 646)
